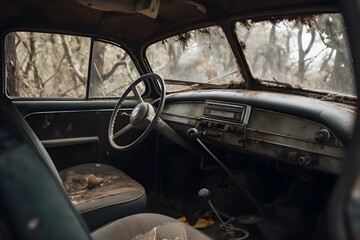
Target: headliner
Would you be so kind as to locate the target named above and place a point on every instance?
(174, 15)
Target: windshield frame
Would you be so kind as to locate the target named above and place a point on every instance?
(250, 82)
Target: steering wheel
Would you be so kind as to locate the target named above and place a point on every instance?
(144, 116)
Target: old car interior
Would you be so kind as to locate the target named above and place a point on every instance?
(186, 119)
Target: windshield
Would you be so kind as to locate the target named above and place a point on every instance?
(302, 52)
(202, 55)
(308, 52)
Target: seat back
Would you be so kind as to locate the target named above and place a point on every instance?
(32, 199)
(25, 132)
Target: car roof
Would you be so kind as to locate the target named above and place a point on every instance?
(174, 15)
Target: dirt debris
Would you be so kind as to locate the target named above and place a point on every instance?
(93, 181)
(86, 187)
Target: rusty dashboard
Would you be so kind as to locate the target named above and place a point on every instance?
(248, 128)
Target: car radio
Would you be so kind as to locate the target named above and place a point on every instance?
(221, 117)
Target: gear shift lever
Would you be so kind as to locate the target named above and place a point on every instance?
(204, 195)
(194, 134)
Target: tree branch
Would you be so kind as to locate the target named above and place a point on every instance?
(24, 89)
(299, 40)
(69, 90)
(326, 61)
(73, 63)
(112, 70)
(311, 41)
(55, 72)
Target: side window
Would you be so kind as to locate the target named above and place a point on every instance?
(42, 65)
(45, 65)
(112, 71)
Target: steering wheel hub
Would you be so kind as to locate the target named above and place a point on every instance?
(139, 114)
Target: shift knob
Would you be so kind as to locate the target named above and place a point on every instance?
(193, 133)
(204, 194)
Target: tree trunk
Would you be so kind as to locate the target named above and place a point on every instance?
(301, 64)
(302, 67)
(32, 65)
(341, 73)
(11, 64)
(97, 70)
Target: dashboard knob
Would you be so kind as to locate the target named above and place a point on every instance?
(193, 133)
(322, 136)
(204, 194)
(292, 156)
(305, 160)
(282, 153)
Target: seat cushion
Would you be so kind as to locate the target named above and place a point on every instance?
(102, 193)
(147, 226)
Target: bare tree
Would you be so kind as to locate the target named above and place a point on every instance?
(302, 66)
(97, 67)
(11, 65)
(31, 64)
(333, 35)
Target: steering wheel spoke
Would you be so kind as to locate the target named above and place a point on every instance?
(122, 131)
(137, 94)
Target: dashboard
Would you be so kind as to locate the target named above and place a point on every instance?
(297, 130)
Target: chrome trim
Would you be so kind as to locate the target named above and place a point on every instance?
(283, 135)
(65, 142)
(74, 111)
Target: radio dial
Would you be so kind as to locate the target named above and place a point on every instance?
(322, 136)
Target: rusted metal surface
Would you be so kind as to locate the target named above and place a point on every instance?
(183, 112)
(280, 136)
(293, 140)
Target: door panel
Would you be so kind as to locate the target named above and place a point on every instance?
(76, 132)
(71, 137)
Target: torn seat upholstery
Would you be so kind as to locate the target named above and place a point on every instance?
(148, 226)
(102, 193)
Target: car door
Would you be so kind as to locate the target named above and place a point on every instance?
(66, 88)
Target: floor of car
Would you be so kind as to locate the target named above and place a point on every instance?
(250, 227)
(211, 226)
(166, 205)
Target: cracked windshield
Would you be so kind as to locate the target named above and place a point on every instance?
(309, 52)
(200, 56)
